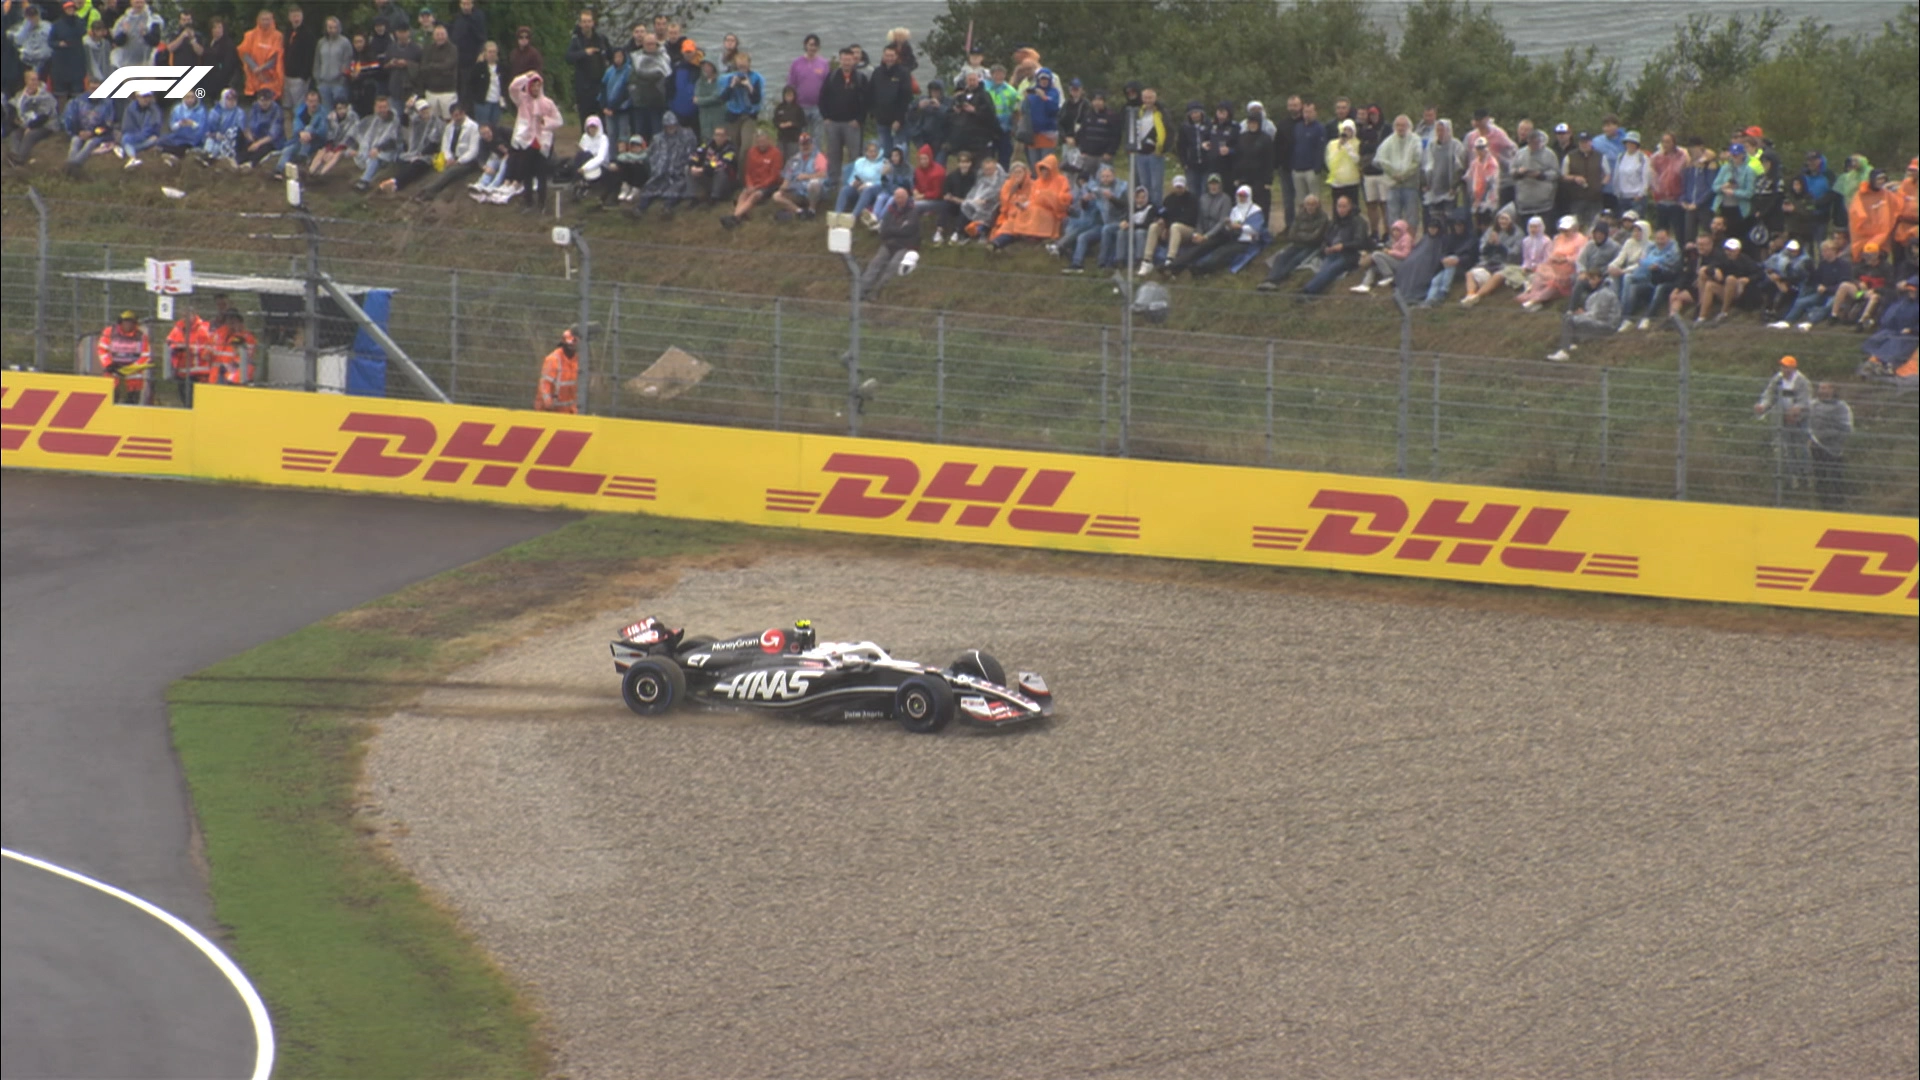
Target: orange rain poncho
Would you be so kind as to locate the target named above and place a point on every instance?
(1035, 207)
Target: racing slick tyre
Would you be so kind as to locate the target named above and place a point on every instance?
(653, 686)
(981, 666)
(922, 705)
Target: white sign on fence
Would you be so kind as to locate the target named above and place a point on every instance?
(169, 278)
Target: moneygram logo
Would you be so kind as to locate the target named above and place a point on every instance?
(1366, 523)
(166, 80)
(981, 498)
(1863, 564)
(58, 424)
(394, 447)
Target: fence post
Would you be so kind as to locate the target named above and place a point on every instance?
(1103, 390)
(1406, 385)
(1682, 405)
(940, 377)
(106, 287)
(1606, 418)
(777, 339)
(1126, 370)
(586, 316)
(453, 334)
(1269, 402)
(39, 282)
(853, 348)
(613, 349)
(1434, 452)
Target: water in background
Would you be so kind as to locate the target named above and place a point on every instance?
(1630, 32)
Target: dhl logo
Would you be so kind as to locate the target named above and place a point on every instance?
(392, 447)
(66, 427)
(1851, 570)
(981, 498)
(1364, 523)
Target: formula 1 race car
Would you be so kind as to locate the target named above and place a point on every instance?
(785, 671)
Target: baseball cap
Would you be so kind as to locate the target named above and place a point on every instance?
(125, 315)
(1179, 181)
(1073, 84)
(1561, 128)
(1736, 148)
(1214, 178)
(1793, 245)
(1756, 132)
(1869, 248)
(1252, 105)
(642, 140)
(1632, 137)
(1788, 361)
(687, 46)
(1584, 136)
(1731, 244)
(1479, 141)
(1569, 221)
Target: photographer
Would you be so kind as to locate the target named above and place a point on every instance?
(745, 91)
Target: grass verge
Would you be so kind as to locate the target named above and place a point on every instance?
(366, 976)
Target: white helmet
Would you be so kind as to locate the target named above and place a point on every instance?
(908, 261)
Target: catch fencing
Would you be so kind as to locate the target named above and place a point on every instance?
(1073, 384)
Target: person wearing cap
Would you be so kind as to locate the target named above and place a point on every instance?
(1185, 216)
(1536, 177)
(1483, 182)
(559, 387)
(1073, 109)
(1782, 273)
(525, 57)
(1733, 189)
(124, 353)
(1874, 212)
(802, 177)
(1632, 175)
(1724, 277)
(1552, 279)
(139, 127)
(1867, 287)
(1583, 175)
(419, 142)
(1562, 143)
(587, 52)
(1788, 399)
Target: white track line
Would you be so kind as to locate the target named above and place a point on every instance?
(256, 1009)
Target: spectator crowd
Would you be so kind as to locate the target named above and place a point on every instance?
(1614, 230)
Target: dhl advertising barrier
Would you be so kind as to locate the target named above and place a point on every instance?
(1693, 551)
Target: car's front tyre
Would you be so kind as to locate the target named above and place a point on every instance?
(653, 685)
(923, 705)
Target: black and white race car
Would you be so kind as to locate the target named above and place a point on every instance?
(787, 672)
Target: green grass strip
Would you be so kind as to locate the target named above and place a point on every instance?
(364, 975)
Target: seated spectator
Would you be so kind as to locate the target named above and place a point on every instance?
(1724, 277)
(306, 135)
(333, 142)
(1597, 255)
(1693, 263)
(714, 169)
(1815, 300)
(899, 175)
(495, 185)
(89, 125)
(375, 142)
(1177, 219)
(1415, 274)
(1781, 275)
(139, 128)
(762, 177)
(1244, 233)
(929, 180)
(947, 217)
(186, 129)
(1384, 263)
(899, 244)
(33, 114)
(1639, 235)
(631, 165)
(1599, 317)
(1553, 279)
(671, 158)
(1033, 206)
(1123, 242)
(461, 143)
(1459, 255)
(1102, 202)
(420, 141)
(1340, 251)
(1892, 346)
(590, 157)
(1646, 285)
(801, 180)
(263, 133)
(981, 208)
(1503, 257)
(1303, 236)
(226, 126)
(1857, 300)
(864, 180)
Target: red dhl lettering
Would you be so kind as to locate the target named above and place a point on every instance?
(876, 487)
(1368, 524)
(393, 447)
(1863, 564)
(64, 429)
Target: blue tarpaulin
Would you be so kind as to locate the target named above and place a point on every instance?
(367, 365)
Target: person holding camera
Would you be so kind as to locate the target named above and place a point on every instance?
(745, 91)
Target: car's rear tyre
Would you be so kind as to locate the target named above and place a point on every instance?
(653, 685)
(980, 665)
(923, 705)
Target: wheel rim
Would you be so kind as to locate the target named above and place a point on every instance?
(916, 705)
(646, 689)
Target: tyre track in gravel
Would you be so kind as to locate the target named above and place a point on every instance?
(1269, 833)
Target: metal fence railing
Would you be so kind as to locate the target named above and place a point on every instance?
(1064, 384)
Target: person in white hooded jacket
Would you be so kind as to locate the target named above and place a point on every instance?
(589, 161)
(1243, 232)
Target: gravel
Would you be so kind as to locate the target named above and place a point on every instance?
(1268, 834)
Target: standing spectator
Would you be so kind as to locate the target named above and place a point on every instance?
(647, 85)
(710, 99)
(974, 127)
(1829, 423)
(525, 56)
(1483, 183)
(469, 33)
(332, 55)
(1398, 159)
(1309, 158)
(1343, 164)
(66, 39)
(1733, 189)
(1632, 175)
(301, 43)
(263, 51)
(1256, 161)
(1667, 170)
(1040, 106)
(808, 75)
(89, 124)
(1535, 177)
(1875, 211)
(1443, 169)
(1610, 144)
(99, 53)
(136, 34)
(1788, 398)
(440, 74)
(1072, 110)
(1304, 234)
(402, 64)
(746, 90)
(1584, 176)
(1006, 107)
(1805, 217)
(900, 40)
(487, 86)
(1373, 180)
(789, 122)
(33, 37)
(616, 104)
(762, 174)
(536, 120)
(843, 109)
(899, 243)
(1147, 143)
(1283, 154)
(927, 121)
(889, 98)
(587, 51)
(1340, 250)
(1696, 189)
(1190, 143)
(1178, 219)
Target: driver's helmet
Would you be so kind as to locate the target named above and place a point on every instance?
(802, 635)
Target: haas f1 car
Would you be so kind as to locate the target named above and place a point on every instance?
(787, 672)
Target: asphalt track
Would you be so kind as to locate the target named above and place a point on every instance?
(109, 590)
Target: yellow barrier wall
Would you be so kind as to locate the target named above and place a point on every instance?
(1694, 551)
